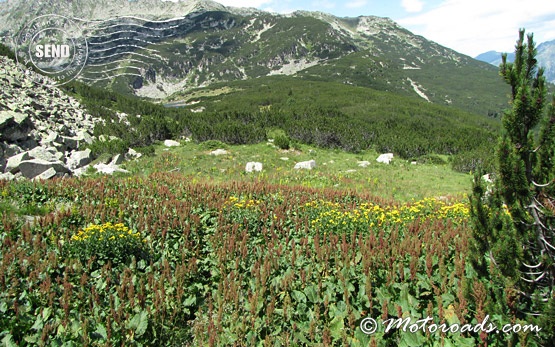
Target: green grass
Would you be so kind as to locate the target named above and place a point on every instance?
(400, 180)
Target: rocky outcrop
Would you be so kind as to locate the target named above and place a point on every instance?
(43, 131)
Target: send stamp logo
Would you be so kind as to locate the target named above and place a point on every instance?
(55, 45)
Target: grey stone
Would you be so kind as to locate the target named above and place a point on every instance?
(109, 168)
(48, 174)
(305, 165)
(117, 159)
(253, 167)
(84, 137)
(34, 167)
(385, 158)
(133, 154)
(363, 163)
(13, 162)
(14, 126)
(219, 151)
(70, 142)
(48, 154)
(8, 176)
(171, 143)
(79, 158)
(51, 138)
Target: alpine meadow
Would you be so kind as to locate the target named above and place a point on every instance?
(184, 173)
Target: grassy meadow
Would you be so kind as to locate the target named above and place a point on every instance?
(187, 250)
(400, 181)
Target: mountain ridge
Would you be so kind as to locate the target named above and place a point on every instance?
(211, 43)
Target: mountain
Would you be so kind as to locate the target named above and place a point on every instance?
(494, 57)
(546, 58)
(172, 47)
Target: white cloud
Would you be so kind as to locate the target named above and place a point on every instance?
(356, 4)
(412, 5)
(476, 26)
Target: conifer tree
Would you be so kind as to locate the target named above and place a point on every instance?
(513, 245)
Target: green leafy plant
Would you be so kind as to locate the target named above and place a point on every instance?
(282, 142)
(107, 242)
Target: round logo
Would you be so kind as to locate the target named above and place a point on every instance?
(55, 46)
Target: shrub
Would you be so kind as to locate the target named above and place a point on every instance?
(431, 159)
(282, 142)
(107, 242)
(115, 146)
(212, 145)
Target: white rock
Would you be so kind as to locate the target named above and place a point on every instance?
(8, 176)
(171, 143)
(385, 158)
(253, 167)
(284, 158)
(306, 165)
(109, 169)
(219, 151)
(133, 154)
(487, 178)
(364, 163)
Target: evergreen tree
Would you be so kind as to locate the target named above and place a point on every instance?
(513, 247)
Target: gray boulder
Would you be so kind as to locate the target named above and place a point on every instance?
(363, 163)
(78, 159)
(219, 151)
(46, 175)
(84, 137)
(385, 158)
(117, 159)
(48, 154)
(109, 168)
(14, 126)
(12, 165)
(133, 154)
(171, 143)
(8, 176)
(34, 167)
(305, 165)
(253, 167)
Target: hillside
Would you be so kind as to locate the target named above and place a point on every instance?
(190, 44)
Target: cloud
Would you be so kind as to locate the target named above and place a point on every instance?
(356, 3)
(412, 5)
(476, 26)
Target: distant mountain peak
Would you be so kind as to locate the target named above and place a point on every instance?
(546, 58)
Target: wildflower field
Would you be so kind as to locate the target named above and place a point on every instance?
(160, 261)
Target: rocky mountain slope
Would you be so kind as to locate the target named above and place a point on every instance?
(43, 131)
(171, 47)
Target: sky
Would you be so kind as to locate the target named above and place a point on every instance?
(468, 26)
